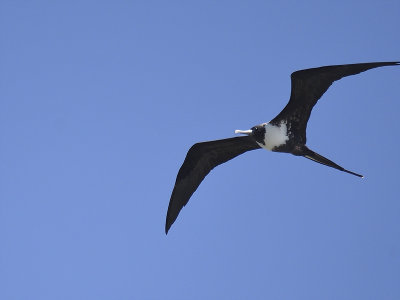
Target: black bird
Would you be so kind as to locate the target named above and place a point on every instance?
(285, 133)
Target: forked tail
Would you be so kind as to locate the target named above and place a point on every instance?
(323, 160)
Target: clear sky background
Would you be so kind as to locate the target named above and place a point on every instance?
(99, 103)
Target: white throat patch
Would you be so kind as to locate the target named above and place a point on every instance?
(275, 136)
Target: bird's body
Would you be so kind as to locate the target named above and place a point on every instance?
(275, 137)
(285, 133)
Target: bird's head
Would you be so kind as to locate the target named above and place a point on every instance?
(257, 132)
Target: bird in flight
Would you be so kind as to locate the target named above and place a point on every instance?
(285, 133)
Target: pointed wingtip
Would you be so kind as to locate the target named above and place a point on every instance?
(168, 224)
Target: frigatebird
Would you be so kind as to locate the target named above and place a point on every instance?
(285, 133)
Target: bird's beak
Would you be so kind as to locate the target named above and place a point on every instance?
(248, 132)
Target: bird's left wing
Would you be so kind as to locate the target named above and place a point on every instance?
(309, 85)
(200, 160)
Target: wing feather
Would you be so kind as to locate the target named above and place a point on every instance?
(200, 160)
(308, 86)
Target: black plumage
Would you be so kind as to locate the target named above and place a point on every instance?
(200, 160)
(307, 87)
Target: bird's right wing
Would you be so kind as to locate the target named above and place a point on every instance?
(200, 160)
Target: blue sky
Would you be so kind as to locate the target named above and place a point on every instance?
(99, 103)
